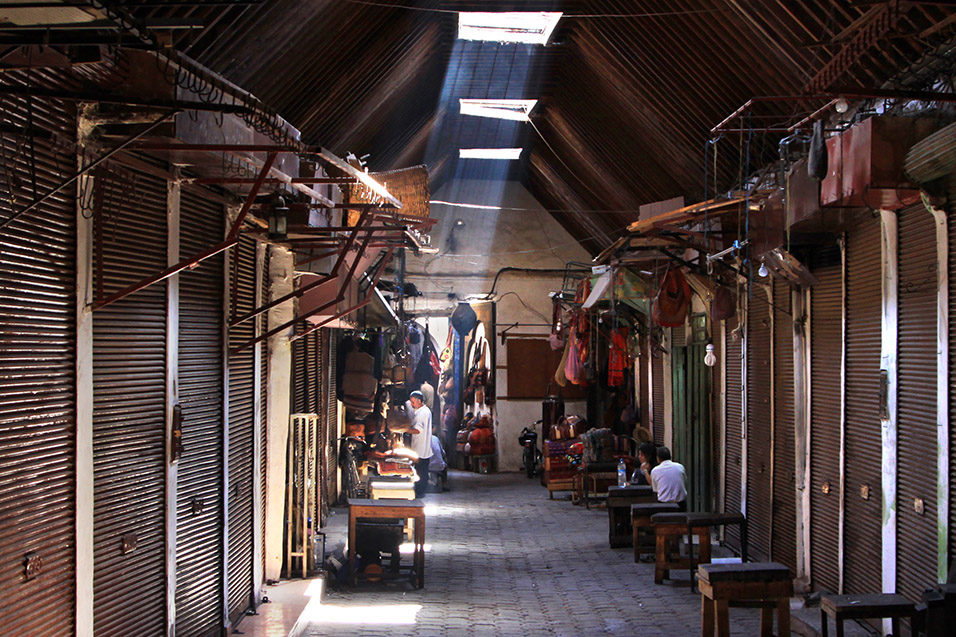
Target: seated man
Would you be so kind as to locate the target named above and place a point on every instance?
(669, 480)
(438, 467)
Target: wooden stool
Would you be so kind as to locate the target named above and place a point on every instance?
(668, 528)
(714, 520)
(754, 584)
(641, 519)
(877, 606)
(619, 503)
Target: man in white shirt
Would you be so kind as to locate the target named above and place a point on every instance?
(669, 480)
(421, 432)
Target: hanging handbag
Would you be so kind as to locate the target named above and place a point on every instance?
(557, 336)
(724, 305)
(672, 300)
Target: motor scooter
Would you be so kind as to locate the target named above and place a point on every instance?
(532, 458)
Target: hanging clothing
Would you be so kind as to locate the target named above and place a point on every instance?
(617, 357)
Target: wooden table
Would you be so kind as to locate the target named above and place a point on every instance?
(874, 606)
(395, 510)
(766, 585)
(619, 502)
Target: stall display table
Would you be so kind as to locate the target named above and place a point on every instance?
(413, 510)
(619, 502)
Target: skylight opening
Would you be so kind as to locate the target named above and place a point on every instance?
(489, 153)
(517, 110)
(525, 27)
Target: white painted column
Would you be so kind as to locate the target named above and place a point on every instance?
(800, 302)
(84, 395)
(173, 188)
(888, 366)
(278, 398)
(942, 387)
(668, 384)
(258, 577)
(233, 253)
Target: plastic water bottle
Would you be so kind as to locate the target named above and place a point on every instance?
(621, 473)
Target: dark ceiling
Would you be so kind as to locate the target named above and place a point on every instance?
(628, 90)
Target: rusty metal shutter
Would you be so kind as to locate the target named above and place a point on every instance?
(305, 353)
(759, 496)
(657, 391)
(322, 371)
(916, 415)
(863, 534)
(826, 408)
(784, 527)
(734, 415)
(951, 229)
(199, 490)
(330, 465)
(241, 411)
(263, 321)
(129, 410)
(37, 374)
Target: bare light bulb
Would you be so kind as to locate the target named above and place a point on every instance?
(709, 359)
(841, 105)
(763, 271)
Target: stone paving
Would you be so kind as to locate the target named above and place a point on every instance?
(503, 559)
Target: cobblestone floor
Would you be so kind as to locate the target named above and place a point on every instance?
(503, 559)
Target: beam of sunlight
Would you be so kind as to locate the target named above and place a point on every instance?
(391, 614)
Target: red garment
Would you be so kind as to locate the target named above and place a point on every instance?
(617, 358)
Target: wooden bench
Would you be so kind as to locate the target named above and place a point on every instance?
(641, 521)
(875, 606)
(767, 585)
(619, 503)
(668, 529)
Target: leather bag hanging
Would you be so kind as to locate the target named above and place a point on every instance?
(672, 300)
(464, 318)
(558, 335)
(724, 305)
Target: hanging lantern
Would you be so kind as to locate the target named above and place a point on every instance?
(279, 219)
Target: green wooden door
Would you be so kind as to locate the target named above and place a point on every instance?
(692, 422)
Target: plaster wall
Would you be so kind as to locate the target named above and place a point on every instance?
(513, 230)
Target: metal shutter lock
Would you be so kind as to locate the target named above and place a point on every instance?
(32, 565)
(129, 543)
(918, 506)
(825, 487)
(865, 491)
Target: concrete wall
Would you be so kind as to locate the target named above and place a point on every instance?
(512, 231)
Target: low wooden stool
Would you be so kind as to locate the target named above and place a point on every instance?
(751, 584)
(668, 529)
(641, 520)
(619, 503)
(876, 606)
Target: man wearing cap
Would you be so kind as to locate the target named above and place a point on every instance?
(421, 432)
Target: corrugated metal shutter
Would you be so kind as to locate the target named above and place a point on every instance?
(330, 466)
(129, 409)
(784, 541)
(679, 336)
(951, 229)
(241, 405)
(916, 415)
(305, 352)
(199, 490)
(657, 391)
(863, 534)
(263, 404)
(826, 408)
(37, 375)
(318, 513)
(733, 449)
(758, 424)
